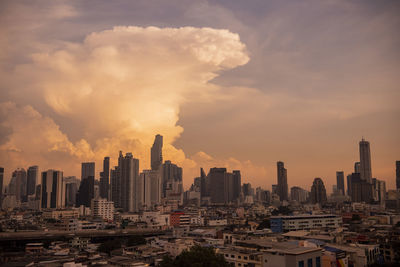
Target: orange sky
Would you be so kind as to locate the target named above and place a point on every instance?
(234, 84)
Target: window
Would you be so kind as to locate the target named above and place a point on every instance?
(301, 263)
(309, 263)
(318, 261)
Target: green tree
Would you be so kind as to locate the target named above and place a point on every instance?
(135, 241)
(109, 246)
(264, 224)
(196, 257)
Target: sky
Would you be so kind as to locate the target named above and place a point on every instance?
(235, 84)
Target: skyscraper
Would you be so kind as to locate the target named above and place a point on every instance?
(156, 153)
(18, 185)
(1, 185)
(282, 188)
(53, 193)
(87, 170)
(86, 188)
(340, 181)
(105, 178)
(115, 186)
(218, 187)
(32, 177)
(398, 174)
(365, 161)
(129, 171)
(237, 184)
(318, 191)
(171, 176)
(357, 167)
(151, 185)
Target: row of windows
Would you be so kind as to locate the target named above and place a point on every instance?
(310, 262)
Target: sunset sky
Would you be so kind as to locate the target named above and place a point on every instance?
(236, 84)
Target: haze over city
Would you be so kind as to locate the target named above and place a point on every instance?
(229, 84)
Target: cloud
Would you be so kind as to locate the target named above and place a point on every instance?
(114, 91)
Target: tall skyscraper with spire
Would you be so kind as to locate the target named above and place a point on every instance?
(156, 153)
(365, 161)
(282, 188)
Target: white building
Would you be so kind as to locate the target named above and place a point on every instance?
(103, 208)
(304, 222)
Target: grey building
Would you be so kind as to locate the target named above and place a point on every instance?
(318, 191)
(340, 181)
(398, 174)
(105, 179)
(282, 186)
(86, 188)
(365, 161)
(32, 177)
(129, 171)
(156, 153)
(52, 190)
(1, 185)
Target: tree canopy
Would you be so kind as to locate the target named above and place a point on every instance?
(196, 256)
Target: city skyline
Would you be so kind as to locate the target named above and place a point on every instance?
(169, 172)
(261, 82)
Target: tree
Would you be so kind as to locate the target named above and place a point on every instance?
(197, 256)
(135, 241)
(109, 246)
(264, 224)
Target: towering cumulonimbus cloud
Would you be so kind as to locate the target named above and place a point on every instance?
(113, 91)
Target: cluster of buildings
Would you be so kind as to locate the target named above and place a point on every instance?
(61, 220)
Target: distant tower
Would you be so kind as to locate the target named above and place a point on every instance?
(105, 178)
(340, 181)
(357, 167)
(318, 191)
(1, 185)
(156, 153)
(365, 161)
(398, 174)
(53, 191)
(86, 188)
(282, 188)
(32, 177)
(129, 171)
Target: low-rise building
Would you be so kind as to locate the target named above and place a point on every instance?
(281, 224)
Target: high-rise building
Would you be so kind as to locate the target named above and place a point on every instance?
(318, 191)
(86, 188)
(359, 190)
(340, 182)
(105, 178)
(365, 161)
(32, 177)
(218, 185)
(129, 171)
(171, 176)
(156, 153)
(204, 192)
(237, 184)
(357, 167)
(282, 189)
(115, 187)
(398, 174)
(152, 187)
(71, 189)
(18, 185)
(102, 208)
(379, 191)
(53, 193)
(87, 170)
(298, 194)
(1, 185)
